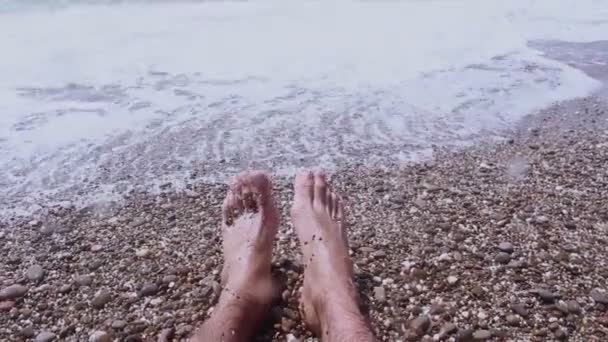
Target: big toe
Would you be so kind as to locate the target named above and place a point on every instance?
(303, 186)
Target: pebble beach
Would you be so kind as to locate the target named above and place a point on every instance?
(503, 241)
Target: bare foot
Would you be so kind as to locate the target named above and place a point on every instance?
(250, 223)
(329, 297)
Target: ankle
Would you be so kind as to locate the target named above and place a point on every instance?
(342, 320)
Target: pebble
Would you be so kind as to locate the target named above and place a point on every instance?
(380, 294)
(100, 336)
(96, 248)
(45, 336)
(447, 329)
(27, 332)
(420, 325)
(464, 335)
(6, 305)
(118, 324)
(506, 247)
(520, 309)
(101, 299)
(291, 338)
(546, 296)
(34, 273)
(513, 320)
(573, 307)
(482, 335)
(287, 324)
(599, 297)
(142, 252)
(47, 229)
(166, 335)
(83, 280)
(13, 291)
(452, 280)
(503, 258)
(65, 288)
(149, 289)
(171, 278)
(184, 329)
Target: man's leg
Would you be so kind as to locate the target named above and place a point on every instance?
(250, 222)
(329, 297)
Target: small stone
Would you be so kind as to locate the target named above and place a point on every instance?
(166, 335)
(47, 230)
(452, 280)
(96, 248)
(83, 280)
(34, 273)
(184, 330)
(380, 294)
(541, 219)
(503, 258)
(27, 332)
(95, 264)
(291, 338)
(561, 334)
(65, 288)
(546, 296)
(599, 297)
(520, 309)
(6, 305)
(513, 320)
(13, 291)
(45, 336)
(100, 336)
(101, 299)
(119, 324)
(287, 324)
(573, 307)
(447, 329)
(133, 338)
(506, 247)
(478, 291)
(171, 278)
(378, 254)
(482, 335)
(420, 325)
(464, 335)
(149, 289)
(143, 252)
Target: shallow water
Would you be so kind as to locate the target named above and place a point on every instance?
(99, 99)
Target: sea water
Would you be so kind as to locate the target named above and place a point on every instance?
(98, 98)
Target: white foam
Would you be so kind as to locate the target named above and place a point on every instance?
(133, 94)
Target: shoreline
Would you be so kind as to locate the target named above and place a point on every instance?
(424, 237)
